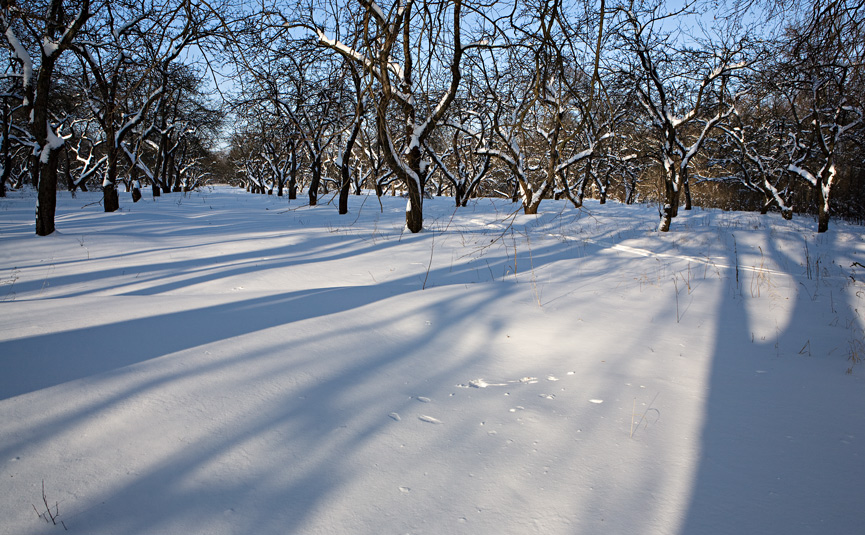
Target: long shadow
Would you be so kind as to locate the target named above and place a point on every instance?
(205, 269)
(336, 416)
(781, 444)
(317, 461)
(41, 361)
(33, 363)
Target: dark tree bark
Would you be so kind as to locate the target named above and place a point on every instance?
(48, 143)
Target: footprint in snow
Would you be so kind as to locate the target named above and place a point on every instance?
(395, 416)
(429, 419)
(423, 399)
(479, 383)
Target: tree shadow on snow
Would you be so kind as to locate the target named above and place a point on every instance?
(778, 453)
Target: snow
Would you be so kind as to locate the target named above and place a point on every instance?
(374, 7)
(23, 56)
(49, 47)
(220, 362)
(52, 142)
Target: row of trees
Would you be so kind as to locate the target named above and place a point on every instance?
(531, 99)
(545, 98)
(99, 91)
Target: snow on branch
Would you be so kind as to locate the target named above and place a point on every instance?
(23, 57)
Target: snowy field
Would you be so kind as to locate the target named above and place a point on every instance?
(225, 363)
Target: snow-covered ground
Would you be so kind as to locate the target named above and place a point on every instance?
(220, 362)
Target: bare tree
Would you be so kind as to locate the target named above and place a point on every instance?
(681, 87)
(128, 64)
(820, 71)
(50, 27)
(11, 99)
(407, 49)
(751, 153)
(463, 158)
(509, 91)
(343, 159)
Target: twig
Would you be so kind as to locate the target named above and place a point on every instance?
(676, 286)
(532, 267)
(431, 249)
(359, 210)
(648, 408)
(48, 516)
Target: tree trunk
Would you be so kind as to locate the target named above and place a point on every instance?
(687, 187)
(671, 196)
(133, 179)
(604, 186)
(584, 183)
(161, 160)
(7, 166)
(459, 194)
(344, 188)
(671, 201)
(110, 198)
(111, 202)
(47, 195)
(414, 210)
(316, 180)
(169, 173)
(822, 212)
(33, 169)
(5, 148)
(292, 174)
(176, 188)
(44, 175)
(531, 208)
(824, 188)
(822, 221)
(345, 169)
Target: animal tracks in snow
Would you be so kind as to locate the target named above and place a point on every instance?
(422, 417)
(527, 380)
(483, 383)
(429, 419)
